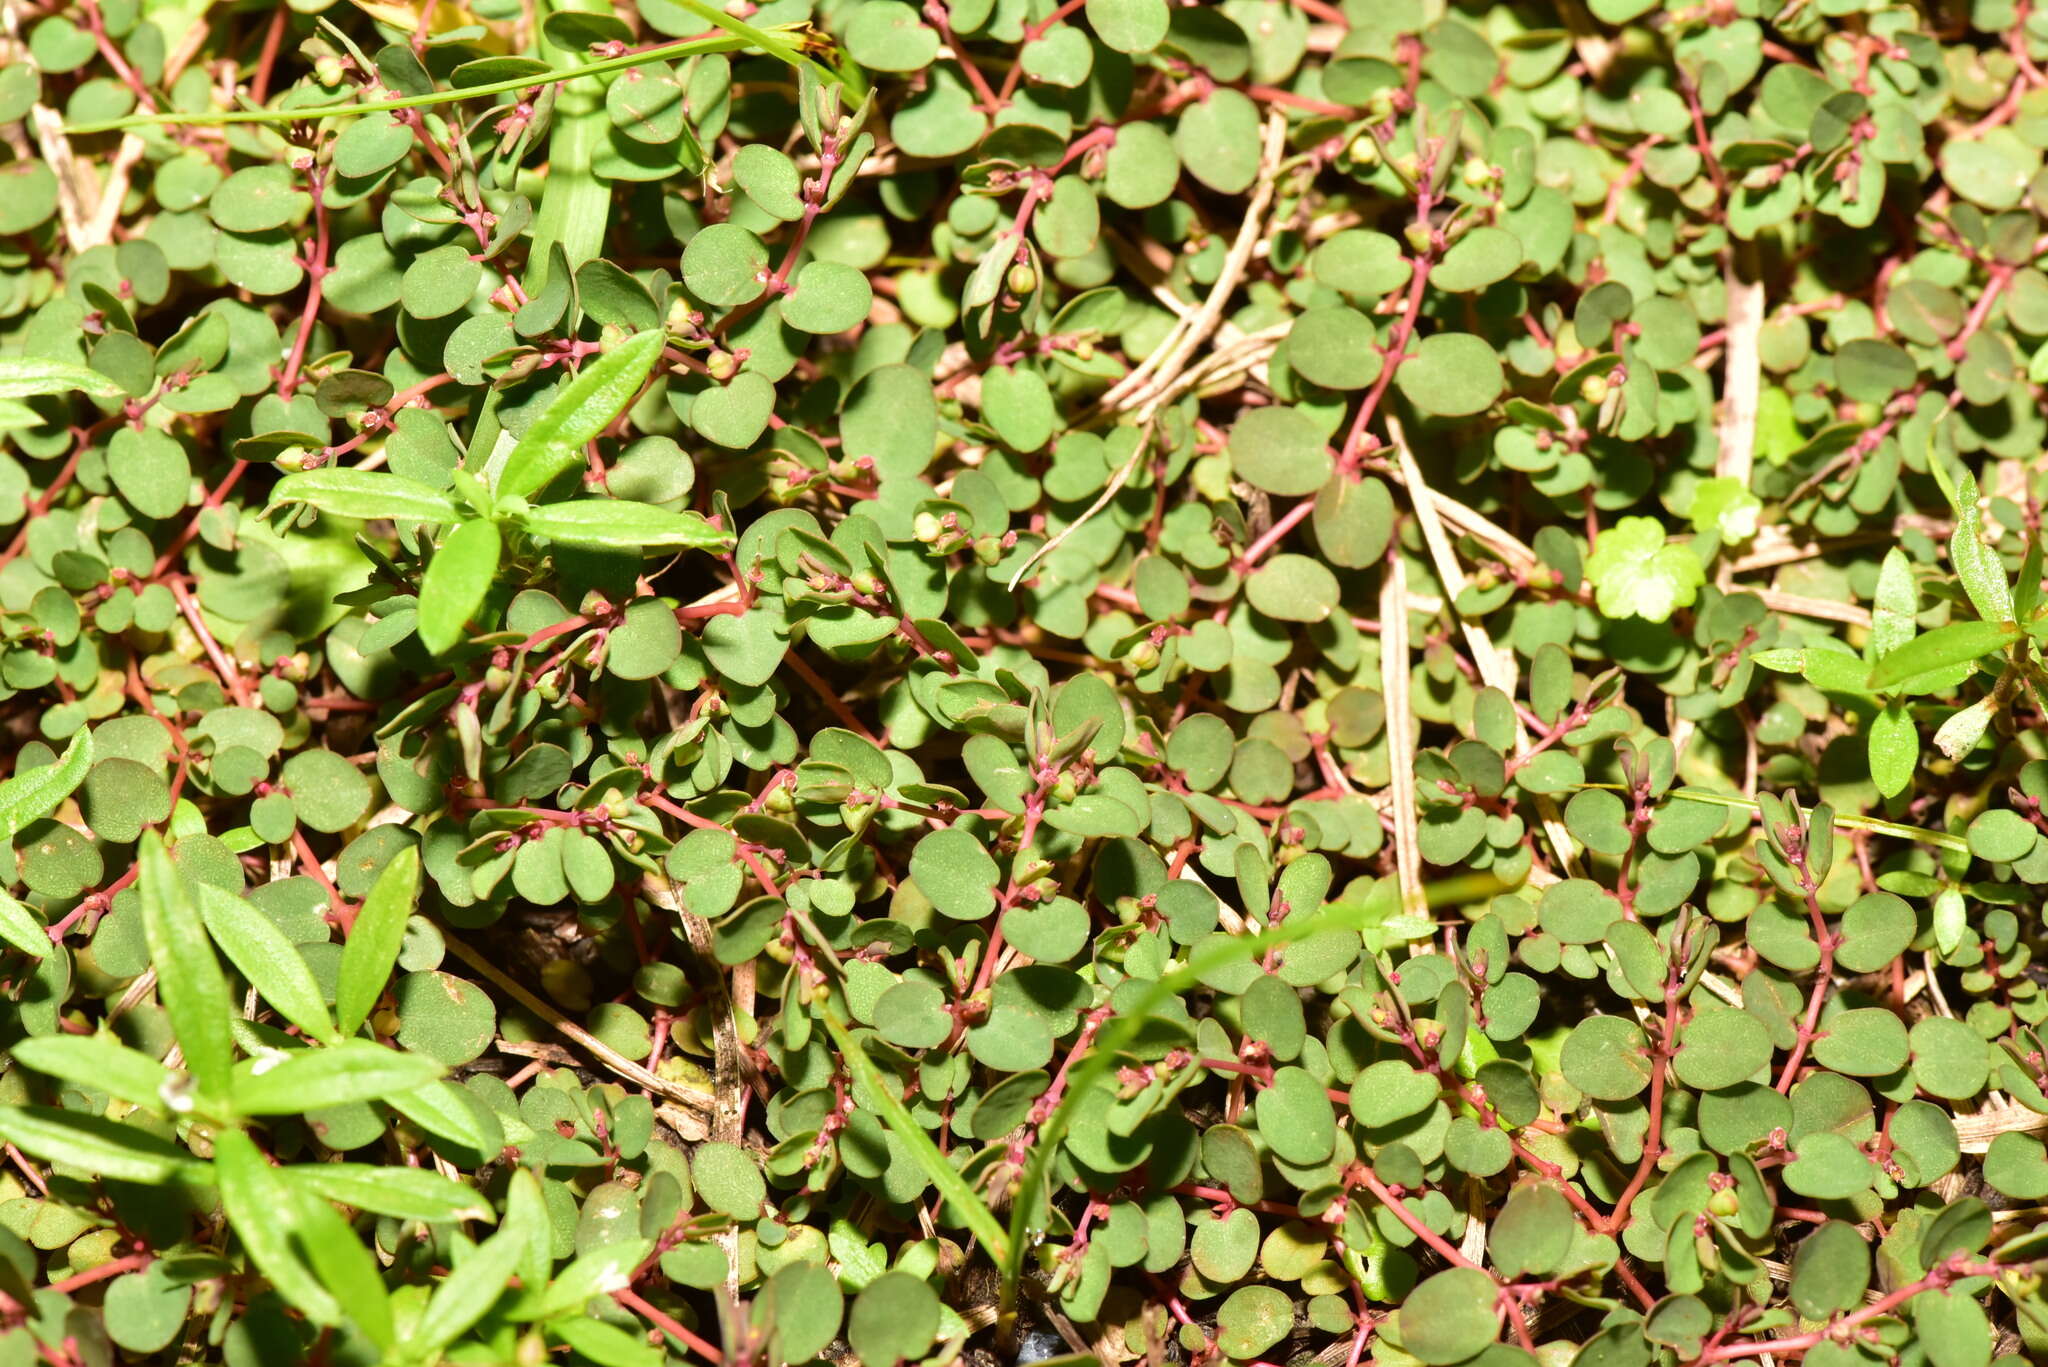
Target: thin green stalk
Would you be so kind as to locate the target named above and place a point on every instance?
(684, 48)
(904, 1126)
(1844, 821)
(764, 39)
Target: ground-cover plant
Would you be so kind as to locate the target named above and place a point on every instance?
(1199, 683)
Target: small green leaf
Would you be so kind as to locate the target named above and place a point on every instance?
(1449, 1317)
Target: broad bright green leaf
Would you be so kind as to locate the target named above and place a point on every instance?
(311, 1079)
(96, 1145)
(23, 377)
(261, 1207)
(1894, 747)
(31, 796)
(1635, 572)
(20, 928)
(575, 416)
(101, 1062)
(189, 978)
(614, 524)
(375, 939)
(457, 579)
(366, 495)
(1957, 643)
(1976, 564)
(271, 963)
(401, 1192)
(350, 1273)
(470, 1290)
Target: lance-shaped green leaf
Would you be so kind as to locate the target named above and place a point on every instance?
(271, 963)
(95, 1144)
(1894, 748)
(1894, 606)
(20, 928)
(1836, 671)
(31, 796)
(598, 1272)
(342, 1265)
(375, 939)
(266, 1219)
(402, 1192)
(585, 407)
(308, 1079)
(188, 978)
(99, 1061)
(1957, 643)
(474, 1286)
(25, 377)
(455, 583)
(1977, 565)
(366, 495)
(615, 524)
(449, 1110)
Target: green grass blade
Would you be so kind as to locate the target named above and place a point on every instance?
(943, 1175)
(688, 47)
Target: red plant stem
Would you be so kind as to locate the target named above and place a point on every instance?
(2000, 276)
(317, 269)
(938, 16)
(44, 502)
(311, 863)
(668, 1324)
(1396, 352)
(679, 812)
(1223, 1198)
(110, 53)
(230, 674)
(1952, 1269)
(134, 1262)
(1823, 978)
(1653, 1143)
(381, 417)
(184, 538)
(266, 64)
(1264, 1073)
(1444, 1249)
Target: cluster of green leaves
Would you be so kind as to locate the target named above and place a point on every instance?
(1247, 682)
